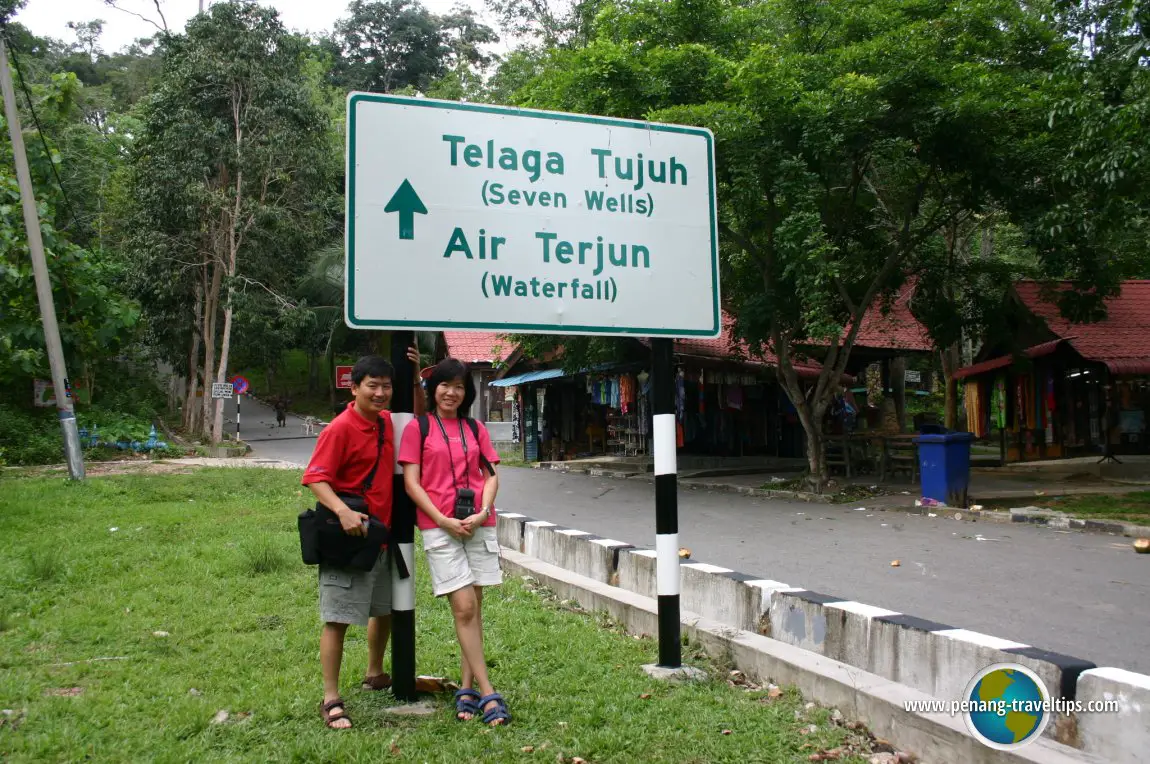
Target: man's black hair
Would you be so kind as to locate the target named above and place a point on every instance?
(445, 371)
(371, 366)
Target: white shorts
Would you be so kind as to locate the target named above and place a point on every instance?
(456, 563)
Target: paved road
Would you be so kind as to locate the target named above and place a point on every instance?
(258, 427)
(1081, 594)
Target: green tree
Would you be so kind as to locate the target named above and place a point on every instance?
(850, 137)
(228, 185)
(9, 8)
(551, 23)
(387, 46)
(1101, 193)
(467, 61)
(96, 320)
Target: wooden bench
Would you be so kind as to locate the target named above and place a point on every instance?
(837, 453)
(899, 454)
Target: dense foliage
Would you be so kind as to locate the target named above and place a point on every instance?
(191, 184)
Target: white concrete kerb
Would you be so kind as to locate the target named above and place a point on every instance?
(678, 675)
(422, 708)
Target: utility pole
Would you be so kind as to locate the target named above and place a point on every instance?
(60, 381)
(402, 526)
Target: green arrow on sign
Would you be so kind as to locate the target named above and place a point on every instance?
(406, 202)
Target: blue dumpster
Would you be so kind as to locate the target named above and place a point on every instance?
(945, 467)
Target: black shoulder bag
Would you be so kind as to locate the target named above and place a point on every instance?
(323, 540)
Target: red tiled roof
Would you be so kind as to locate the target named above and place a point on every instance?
(478, 347)
(896, 330)
(1038, 351)
(725, 346)
(1122, 341)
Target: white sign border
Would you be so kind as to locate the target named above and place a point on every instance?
(354, 98)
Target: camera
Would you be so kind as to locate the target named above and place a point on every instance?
(464, 503)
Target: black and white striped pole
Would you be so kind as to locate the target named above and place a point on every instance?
(666, 502)
(402, 527)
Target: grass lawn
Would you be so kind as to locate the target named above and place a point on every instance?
(512, 457)
(1130, 507)
(136, 607)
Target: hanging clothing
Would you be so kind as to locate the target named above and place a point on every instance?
(998, 404)
(735, 397)
(975, 409)
(680, 395)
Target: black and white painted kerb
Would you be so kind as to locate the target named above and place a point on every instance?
(934, 658)
(666, 501)
(402, 528)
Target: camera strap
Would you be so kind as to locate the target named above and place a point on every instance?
(382, 435)
(450, 456)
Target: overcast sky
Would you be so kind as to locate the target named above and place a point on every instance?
(49, 18)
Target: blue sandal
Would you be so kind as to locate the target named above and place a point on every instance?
(497, 714)
(465, 703)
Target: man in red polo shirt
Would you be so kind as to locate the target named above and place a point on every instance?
(344, 456)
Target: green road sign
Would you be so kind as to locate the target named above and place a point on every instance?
(406, 202)
(531, 221)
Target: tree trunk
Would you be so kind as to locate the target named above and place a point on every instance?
(898, 390)
(222, 371)
(950, 359)
(816, 458)
(211, 308)
(329, 357)
(810, 417)
(233, 250)
(194, 359)
(312, 372)
(89, 381)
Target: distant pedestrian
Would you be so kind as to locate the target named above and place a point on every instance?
(448, 470)
(281, 407)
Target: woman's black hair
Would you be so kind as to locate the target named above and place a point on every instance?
(445, 371)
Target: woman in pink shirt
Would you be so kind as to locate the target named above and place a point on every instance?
(448, 470)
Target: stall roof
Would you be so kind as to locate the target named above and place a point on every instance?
(897, 329)
(542, 374)
(1038, 351)
(893, 332)
(1118, 341)
(478, 347)
(531, 376)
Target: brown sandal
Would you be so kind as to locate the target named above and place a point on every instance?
(329, 718)
(377, 682)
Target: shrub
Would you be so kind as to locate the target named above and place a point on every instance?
(43, 566)
(262, 556)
